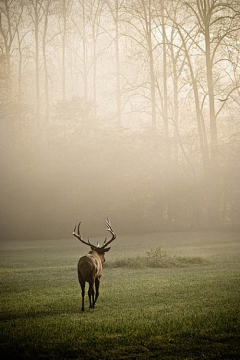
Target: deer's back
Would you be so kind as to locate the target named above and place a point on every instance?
(89, 267)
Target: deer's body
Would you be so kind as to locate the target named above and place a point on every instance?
(90, 266)
(90, 271)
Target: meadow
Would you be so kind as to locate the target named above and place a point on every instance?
(162, 296)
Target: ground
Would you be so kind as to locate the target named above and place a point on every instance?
(186, 307)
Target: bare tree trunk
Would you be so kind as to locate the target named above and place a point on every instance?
(214, 196)
(213, 124)
(9, 25)
(197, 105)
(175, 115)
(165, 90)
(205, 11)
(19, 66)
(94, 74)
(85, 67)
(47, 105)
(148, 25)
(36, 35)
(117, 64)
(64, 51)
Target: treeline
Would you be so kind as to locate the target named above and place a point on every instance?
(121, 108)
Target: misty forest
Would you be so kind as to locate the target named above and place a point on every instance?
(127, 109)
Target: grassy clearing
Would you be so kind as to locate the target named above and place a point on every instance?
(185, 310)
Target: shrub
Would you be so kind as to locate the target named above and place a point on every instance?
(156, 258)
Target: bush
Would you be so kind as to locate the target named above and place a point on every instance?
(156, 258)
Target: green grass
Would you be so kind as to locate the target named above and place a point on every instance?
(186, 308)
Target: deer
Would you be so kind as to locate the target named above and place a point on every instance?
(90, 266)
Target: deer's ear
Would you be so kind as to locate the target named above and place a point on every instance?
(107, 249)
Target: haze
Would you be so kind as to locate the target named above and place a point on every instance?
(121, 109)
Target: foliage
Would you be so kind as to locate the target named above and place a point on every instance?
(76, 110)
(156, 256)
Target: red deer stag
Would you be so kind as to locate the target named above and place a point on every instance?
(90, 265)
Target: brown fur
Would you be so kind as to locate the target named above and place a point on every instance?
(90, 265)
(90, 270)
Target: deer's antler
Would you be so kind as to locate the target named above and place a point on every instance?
(109, 228)
(105, 244)
(79, 237)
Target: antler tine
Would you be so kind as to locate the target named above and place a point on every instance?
(109, 228)
(79, 236)
(108, 223)
(79, 229)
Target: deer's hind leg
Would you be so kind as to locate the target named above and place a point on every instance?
(91, 282)
(97, 283)
(82, 284)
(91, 294)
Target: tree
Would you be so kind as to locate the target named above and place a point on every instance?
(215, 22)
(139, 30)
(11, 12)
(115, 8)
(36, 13)
(47, 13)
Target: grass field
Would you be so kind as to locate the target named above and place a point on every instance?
(187, 307)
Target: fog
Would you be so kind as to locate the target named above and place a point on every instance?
(121, 109)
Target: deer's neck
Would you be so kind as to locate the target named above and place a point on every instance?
(97, 255)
